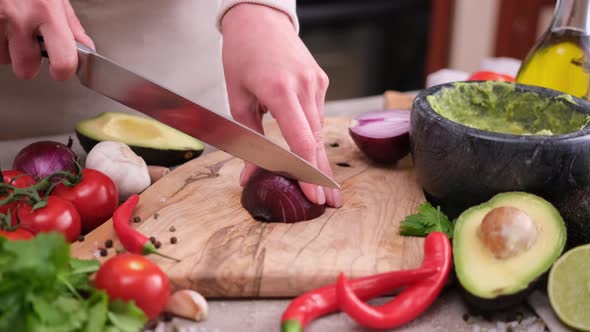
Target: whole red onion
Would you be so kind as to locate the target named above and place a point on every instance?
(273, 198)
(43, 158)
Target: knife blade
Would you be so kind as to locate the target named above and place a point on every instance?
(112, 80)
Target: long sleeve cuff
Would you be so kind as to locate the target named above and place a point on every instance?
(286, 6)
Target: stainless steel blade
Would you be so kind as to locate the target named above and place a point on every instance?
(115, 82)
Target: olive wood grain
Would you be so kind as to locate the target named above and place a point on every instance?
(225, 253)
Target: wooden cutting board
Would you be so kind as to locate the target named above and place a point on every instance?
(225, 253)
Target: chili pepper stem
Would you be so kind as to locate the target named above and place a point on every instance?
(148, 248)
(291, 325)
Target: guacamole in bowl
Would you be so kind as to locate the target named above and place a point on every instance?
(502, 108)
(472, 140)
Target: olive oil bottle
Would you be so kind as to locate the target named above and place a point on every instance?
(560, 60)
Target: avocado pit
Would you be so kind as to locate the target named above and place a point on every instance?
(507, 231)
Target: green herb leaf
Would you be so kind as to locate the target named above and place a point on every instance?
(126, 316)
(79, 276)
(427, 220)
(98, 307)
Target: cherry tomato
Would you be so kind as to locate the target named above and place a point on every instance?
(490, 76)
(95, 197)
(12, 206)
(130, 276)
(58, 215)
(21, 180)
(17, 234)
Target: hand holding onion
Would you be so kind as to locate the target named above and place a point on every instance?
(282, 78)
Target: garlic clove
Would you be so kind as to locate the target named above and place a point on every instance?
(157, 172)
(189, 304)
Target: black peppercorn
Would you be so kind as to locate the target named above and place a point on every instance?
(158, 244)
(108, 243)
(152, 240)
(103, 252)
(173, 240)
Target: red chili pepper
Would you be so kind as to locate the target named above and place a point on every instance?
(323, 301)
(412, 301)
(132, 240)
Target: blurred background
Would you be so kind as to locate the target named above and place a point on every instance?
(369, 46)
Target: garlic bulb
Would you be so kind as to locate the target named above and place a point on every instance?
(128, 171)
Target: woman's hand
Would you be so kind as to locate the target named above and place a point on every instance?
(268, 68)
(22, 20)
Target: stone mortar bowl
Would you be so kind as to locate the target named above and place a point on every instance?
(459, 166)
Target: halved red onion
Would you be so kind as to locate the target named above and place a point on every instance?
(270, 197)
(383, 135)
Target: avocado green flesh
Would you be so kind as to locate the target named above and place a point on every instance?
(136, 131)
(485, 276)
(498, 107)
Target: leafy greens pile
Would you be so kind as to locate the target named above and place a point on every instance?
(42, 288)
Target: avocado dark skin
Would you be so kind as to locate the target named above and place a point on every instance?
(152, 156)
(502, 302)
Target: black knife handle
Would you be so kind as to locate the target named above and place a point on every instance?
(43, 51)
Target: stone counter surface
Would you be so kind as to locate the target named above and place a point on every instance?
(448, 313)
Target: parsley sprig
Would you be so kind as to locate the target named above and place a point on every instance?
(427, 220)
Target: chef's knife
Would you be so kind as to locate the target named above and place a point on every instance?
(110, 79)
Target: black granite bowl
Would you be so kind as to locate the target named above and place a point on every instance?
(460, 166)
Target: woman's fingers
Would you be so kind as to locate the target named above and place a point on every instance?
(4, 53)
(284, 106)
(20, 24)
(76, 27)
(333, 196)
(60, 44)
(243, 108)
(311, 97)
(25, 54)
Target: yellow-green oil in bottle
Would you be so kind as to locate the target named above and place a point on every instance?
(560, 62)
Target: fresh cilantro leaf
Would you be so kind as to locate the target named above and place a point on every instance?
(126, 316)
(11, 318)
(427, 220)
(63, 314)
(38, 261)
(79, 276)
(98, 307)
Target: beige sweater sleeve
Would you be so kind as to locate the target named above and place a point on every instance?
(287, 6)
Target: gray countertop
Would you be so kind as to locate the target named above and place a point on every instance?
(448, 313)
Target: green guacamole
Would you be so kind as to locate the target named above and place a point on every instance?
(498, 107)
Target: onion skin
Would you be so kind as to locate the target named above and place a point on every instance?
(43, 158)
(383, 150)
(271, 197)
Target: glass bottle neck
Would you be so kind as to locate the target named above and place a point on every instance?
(572, 15)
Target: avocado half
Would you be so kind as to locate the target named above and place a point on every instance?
(155, 142)
(491, 283)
